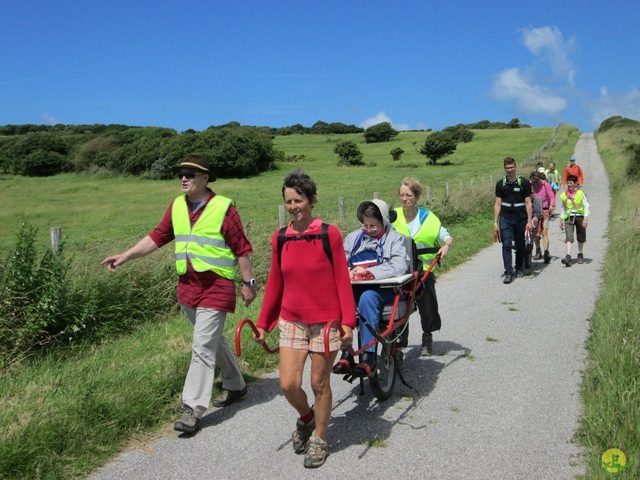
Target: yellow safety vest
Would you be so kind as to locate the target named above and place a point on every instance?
(569, 205)
(203, 244)
(427, 235)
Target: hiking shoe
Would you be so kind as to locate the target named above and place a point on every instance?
(537, 256)
(188, 422)
(547, 256)
(580, 258)
(301, 435)
(566, 260)
(508, 278)
(427, 345)
(316, 453)
(227, 397)
(519, 274)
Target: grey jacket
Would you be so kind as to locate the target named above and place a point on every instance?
(395, 258)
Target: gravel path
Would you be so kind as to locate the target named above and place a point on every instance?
(499, 399)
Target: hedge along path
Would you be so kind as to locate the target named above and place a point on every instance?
(498, 399)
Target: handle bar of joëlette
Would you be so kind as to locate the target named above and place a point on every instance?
(393, 324)
(247, 321)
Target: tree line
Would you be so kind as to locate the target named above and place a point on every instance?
(234, 150)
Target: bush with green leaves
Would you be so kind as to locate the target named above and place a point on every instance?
(439, 145)
(348, 153)
(381, 132)
(461, 132)
(34, 297)
(633, 167)
(48, 298)
(396, 154)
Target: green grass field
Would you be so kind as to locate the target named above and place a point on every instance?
(82, 390)
(611, 379)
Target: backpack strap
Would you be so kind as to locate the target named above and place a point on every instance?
(504, 181)
(323, 235)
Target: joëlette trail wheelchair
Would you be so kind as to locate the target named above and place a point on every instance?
(393, 326)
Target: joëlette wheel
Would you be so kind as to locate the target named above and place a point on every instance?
(384, 378)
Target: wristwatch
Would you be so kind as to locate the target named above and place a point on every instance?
(250, 283)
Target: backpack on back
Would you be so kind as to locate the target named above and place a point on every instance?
(323, 235)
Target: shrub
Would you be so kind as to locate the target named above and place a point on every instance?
(438, 145)
(381, 132)
(33, 297)
(48, 299)
(396, 154)
(461, 133)
(633, 167)
(349, 153)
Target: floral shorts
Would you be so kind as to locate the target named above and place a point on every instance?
(309, 337)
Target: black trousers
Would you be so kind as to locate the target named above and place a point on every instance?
(428, 306)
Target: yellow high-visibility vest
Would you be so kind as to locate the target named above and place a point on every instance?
(427, 235)
(203, 244)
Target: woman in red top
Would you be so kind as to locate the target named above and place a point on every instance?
(304, 292)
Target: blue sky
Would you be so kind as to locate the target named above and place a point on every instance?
(417, 64)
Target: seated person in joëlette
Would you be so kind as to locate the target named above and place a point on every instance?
(374, 251)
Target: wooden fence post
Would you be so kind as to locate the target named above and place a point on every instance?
(56, 237)
(341, 207)
(428, 193)
(446, 189)
(281, 216)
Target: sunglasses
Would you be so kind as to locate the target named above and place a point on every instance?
(187, 175)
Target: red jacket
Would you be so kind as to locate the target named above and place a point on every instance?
(303, 286)
(573, 170)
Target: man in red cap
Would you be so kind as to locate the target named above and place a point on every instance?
(209, 243)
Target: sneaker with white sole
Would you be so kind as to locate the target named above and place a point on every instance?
(427, 345)
(302, 433)
(317, 453)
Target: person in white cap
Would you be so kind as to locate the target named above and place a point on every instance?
(376, 250)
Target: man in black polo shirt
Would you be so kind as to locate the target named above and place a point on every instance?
(512, 216)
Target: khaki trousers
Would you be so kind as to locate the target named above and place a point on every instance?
(208, 349)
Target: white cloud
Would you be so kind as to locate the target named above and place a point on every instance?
(382, 117)
(548, 43)
(48, 119)
(376, 119)
(625, 104)
(512, 85)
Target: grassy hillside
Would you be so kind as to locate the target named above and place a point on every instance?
(611, 385)
(90, 209)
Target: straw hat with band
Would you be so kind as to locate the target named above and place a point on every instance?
(197, 162)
